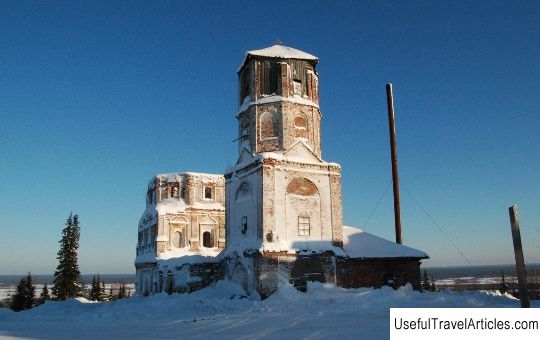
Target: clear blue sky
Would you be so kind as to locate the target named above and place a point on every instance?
(97, 97)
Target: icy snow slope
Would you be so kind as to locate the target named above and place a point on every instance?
(323, 312)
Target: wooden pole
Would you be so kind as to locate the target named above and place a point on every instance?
(520, 261)
(393, 151)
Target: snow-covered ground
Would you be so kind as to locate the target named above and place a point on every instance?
(221, 311)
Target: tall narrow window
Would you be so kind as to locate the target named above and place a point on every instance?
(243, 224)
(297, 87)
(208, 193)
(207, 240)
(174, 191)
(304, 227)
(178, 239)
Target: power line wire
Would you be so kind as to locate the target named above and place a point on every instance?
(377, 205)
(436, 224)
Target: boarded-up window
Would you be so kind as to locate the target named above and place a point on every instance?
(299, 69)
(268, 126)
(297, 86)
(269, 77)
(300, 127)
(245, 81)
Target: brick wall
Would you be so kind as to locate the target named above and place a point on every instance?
(355, 273)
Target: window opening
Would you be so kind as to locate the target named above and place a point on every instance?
(243, 224)
(207, 240)
(208, 193)
(174, 191)
(297, 87)
(178, 239)
(304, 227)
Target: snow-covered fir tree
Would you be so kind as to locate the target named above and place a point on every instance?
(44, 294)
(103, 296)
(122, 292)
(97, 290)
(66, 276)
(25, 298)
(94, 289)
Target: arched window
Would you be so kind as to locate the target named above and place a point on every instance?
(207, 240)
(243, 192)
(268, 126)
(178, 239)
(303, 187)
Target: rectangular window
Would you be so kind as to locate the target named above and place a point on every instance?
(173, 190)
(163, 193)
(207, 193)
(304, 227)
(297, 87)
(244, 224)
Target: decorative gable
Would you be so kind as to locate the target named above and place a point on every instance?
(302, 152)
(245, 157)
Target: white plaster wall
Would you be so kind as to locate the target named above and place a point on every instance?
(286, 219)
(249, 205)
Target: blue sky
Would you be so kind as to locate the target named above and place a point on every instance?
(97, 97)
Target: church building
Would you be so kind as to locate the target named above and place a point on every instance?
(275, 217)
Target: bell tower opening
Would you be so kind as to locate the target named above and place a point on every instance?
(278, 101)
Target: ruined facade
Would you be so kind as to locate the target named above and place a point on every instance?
(283, 219)
(184, 217)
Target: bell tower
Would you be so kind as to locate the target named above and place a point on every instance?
(282, 198)
(278, 101)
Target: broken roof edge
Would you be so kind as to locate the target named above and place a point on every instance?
(278, 51)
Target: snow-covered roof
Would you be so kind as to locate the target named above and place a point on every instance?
(265, 99)
(360, 244)
(176, 176)
(280, 51)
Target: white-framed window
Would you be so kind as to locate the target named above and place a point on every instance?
(304, 227)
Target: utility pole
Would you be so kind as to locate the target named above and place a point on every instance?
(393, 151)
(520, 261)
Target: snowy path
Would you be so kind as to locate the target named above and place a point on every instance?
(323, 312)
